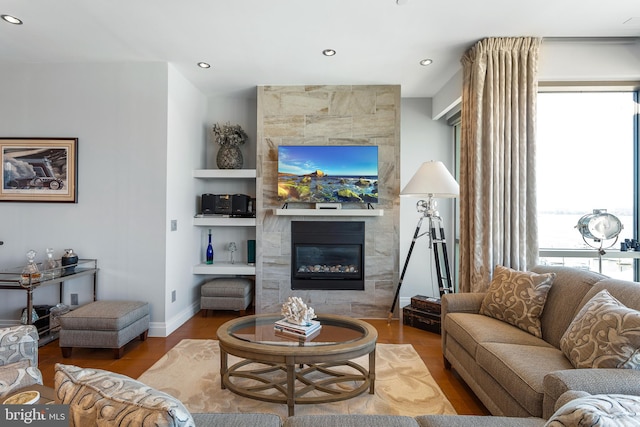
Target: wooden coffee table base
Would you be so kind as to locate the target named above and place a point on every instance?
(292, 383)
(297, 371)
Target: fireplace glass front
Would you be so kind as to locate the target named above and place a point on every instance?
(327, 255)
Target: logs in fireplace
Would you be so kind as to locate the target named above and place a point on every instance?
(327, 255)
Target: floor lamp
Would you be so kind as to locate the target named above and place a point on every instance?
(432, 180)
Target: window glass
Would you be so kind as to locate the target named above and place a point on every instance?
(585, 161)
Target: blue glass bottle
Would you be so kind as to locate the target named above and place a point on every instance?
(209, 250)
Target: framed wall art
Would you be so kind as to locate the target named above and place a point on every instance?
(39, 170)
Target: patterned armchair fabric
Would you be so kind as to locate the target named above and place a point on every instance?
(18, 358)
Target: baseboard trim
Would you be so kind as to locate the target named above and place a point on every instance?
(164, 329)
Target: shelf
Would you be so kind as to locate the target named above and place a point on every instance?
(222, 221)
(329, 212)
(224, 173)
(225, 268)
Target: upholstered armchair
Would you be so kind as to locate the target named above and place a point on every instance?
(18, 358)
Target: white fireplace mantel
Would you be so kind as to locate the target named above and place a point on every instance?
(328, 212)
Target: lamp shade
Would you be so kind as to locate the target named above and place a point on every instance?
(432, 179)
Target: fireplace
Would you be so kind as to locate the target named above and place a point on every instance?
(327, 255)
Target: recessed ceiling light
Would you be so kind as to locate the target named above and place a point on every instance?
(401, 2)
(426, 62)
(11, 19)
(328, 52)
(203, 65)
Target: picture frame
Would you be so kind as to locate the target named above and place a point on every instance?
(39, 170)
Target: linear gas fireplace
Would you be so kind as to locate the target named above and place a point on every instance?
(327, 255)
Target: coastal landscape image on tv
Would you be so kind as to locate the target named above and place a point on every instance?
(328, 173)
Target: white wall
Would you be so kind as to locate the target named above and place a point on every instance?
(119, 113)
(422, 139)
(185, 152)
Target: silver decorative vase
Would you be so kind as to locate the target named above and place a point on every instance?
(229, 157)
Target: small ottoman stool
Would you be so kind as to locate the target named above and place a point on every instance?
(226, 293)
(104, 324)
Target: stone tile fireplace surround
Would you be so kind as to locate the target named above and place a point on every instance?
(328, 115)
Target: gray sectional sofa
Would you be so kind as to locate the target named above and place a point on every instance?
(517, 374)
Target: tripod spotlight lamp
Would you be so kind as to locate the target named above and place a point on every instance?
(430, 181)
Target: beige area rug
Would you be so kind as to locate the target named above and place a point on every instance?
(191, 372)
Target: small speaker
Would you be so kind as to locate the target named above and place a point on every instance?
(240, 204)
(251, 252)
(207, 203)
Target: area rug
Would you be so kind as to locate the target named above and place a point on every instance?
(191, 372)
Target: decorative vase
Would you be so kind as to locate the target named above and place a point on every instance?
(71, 259)
(209, 250)
(229, 157)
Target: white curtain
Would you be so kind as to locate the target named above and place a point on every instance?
(497, 159)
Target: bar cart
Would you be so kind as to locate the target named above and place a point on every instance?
(14, 279)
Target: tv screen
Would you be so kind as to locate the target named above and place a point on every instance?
(328, 173)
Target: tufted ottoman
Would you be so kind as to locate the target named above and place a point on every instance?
(104, 324)
(226, 293)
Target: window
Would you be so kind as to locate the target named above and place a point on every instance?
(587, 158)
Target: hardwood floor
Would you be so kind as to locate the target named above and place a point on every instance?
(139, 356)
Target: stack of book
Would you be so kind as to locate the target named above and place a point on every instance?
(297, 330)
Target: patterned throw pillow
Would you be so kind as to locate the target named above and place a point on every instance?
(18, 375)
(600, 410)
(604, 334)
(517, 297)
(102, 398)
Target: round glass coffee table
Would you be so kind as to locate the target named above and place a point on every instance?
(282, 368)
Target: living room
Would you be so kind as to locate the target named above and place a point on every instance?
(143, 128)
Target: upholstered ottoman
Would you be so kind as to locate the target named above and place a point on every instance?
(226, 293)
(104, 324)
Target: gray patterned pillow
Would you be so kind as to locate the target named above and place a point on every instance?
(604, 334)
(18, 375)
(102, 398)
(600, 410)
(517, 297)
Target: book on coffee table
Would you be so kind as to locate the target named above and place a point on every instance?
(292, 328)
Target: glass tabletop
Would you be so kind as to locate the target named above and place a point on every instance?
(261, 330)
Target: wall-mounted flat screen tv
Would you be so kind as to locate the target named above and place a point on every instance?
(328, 173)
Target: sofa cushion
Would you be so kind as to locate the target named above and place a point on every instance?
(350, 420)
(520, 370)
(18, 375)
(237, 420)
(565, 298)
(102, 398)
(476, 421)
(604, 334)
(601, 410)
(471, 329)
(517, 297)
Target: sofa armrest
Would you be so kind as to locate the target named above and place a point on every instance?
(462, 303)
(593, 381)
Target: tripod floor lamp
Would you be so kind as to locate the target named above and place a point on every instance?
(432, 180)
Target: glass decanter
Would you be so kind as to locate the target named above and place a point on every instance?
(30, 273)
(51, 266)
(232, 249)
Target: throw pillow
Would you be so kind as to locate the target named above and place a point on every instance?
(18, 375)
(604, 334)
(517, 297)
(102, 398)
(600, 410)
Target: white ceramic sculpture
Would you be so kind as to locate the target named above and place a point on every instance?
(297, 312)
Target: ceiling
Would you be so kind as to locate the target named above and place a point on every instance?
(280, 42)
